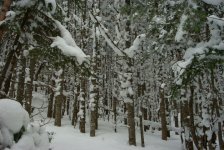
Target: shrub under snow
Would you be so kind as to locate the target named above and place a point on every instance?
(14, 122)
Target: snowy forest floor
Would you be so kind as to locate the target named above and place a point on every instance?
(69, 138)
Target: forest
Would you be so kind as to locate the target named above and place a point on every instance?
(148, 67)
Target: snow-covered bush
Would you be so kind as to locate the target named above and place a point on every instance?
(15, 131)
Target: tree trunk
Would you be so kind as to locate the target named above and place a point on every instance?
(141, 130)
(11, 60)
(191, 114)
(82, 105)
(21, 83)
(58, 106)
(93, 97)
(59, 100)
(75, 106)
(163, 115)
(186, 126)
(12, 85)
(131, 124)
(115, 113)
(51, 98)
(29, 87)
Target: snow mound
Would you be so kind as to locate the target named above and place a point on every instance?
(34, 139)
(12, 115)
(12, 118)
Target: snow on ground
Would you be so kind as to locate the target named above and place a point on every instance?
(69, 138)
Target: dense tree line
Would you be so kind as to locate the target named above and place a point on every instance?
(154, 65)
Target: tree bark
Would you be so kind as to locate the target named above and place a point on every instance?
(163, 115)
(131, 124)
(191, 114)
(51, 98)
(11, 60)
(142, 130)
(21, 83)
(5, 8)
(29, 86)
(58, 102)
(75, 106)
(82, 105)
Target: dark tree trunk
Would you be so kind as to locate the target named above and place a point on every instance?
(75, 106)
(131, 124)
(115, 113)
(142, 131)
(58, 101)
(83, 105)
(21, 83)
(191, 114)
(29, 87)
(163, 115)
(51, 98)
(11, 60)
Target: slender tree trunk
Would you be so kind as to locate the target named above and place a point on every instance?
(12, 85)
(93, 97)
(82, 105)
(75, 106)
(58, 101)
(131, 124)
(186, 126)
(221, 143)
(216, 107)
(115, 113)
(21, 83)
(191, 114)
(141, 130)
(163, 115)
(167, 115)
(29, 87)
(51, 98)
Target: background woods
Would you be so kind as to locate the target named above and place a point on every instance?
(146, 65)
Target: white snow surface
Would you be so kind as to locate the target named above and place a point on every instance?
(34, 139)
(12, 115)
(12, 118)
(69, 138)
(67, 44)
(25, 3)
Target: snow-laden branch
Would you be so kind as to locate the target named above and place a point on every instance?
(106, 36)
(216, 25)
(180, 32)
(130, 52)
(67, 44)
(213, 2)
